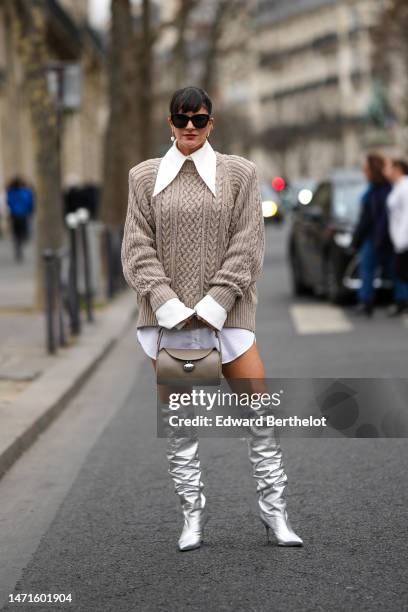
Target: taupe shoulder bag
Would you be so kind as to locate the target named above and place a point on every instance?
(185, 365)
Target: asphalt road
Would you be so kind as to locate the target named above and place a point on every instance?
(90, 509)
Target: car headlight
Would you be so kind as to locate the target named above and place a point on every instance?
(305, 196)
(343, 239)
(269, 208)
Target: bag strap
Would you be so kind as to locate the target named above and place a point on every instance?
(159, 337)
(217, 335)
(160, 334)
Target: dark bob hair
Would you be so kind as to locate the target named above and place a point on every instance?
(401, 164)
(16, 183)
(375, 163)
(190, 99)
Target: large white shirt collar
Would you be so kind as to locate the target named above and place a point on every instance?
(205, 161)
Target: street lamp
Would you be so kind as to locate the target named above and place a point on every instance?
(64, 86)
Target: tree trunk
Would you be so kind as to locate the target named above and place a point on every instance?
(31, 32)
(146, 95)
(185, 8)
(390, 59)
(210, 62)
(122, 137)
(225, 12)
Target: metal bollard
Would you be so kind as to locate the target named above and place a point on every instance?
(83, 218)
(49, 297)
(60, 297)
(72, 223)
(109, 263)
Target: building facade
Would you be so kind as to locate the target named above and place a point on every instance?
(70, 41)
(314, 85)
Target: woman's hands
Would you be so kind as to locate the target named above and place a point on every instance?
(189, 322)
(174, 314)
(186, 323)
(210, 312)
(206, 322)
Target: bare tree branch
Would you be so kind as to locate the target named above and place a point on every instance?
(30, 30)
(226, 11)
(186, 7)
(390, 57)
(122, 137)
(146, 63)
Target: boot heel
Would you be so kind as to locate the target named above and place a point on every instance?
(282, 531)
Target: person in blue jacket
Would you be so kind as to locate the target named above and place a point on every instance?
(371, 237)
(20, 201)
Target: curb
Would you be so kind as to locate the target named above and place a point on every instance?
(44, 399)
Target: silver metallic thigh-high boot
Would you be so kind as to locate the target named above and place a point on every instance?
(266, 458)
(184, 468)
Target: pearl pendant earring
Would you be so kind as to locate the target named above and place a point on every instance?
(172, 138)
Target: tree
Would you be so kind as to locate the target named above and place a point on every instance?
(225, 11)
(146, 40)
(30, 20)
(179, 56)
(391, 56)
(122, 143)
(228, 36)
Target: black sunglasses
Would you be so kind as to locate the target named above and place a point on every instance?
(180, 121)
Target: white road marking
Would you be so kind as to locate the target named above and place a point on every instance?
(319, 319)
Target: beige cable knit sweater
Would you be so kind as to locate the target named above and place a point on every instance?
(185, 242)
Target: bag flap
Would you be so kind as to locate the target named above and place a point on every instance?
(188, 354)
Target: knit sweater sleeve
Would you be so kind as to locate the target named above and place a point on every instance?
(141, 267)
(243, 260)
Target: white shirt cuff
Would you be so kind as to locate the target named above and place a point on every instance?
(211, 311)
(172, 313)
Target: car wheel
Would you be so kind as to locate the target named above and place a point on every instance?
(298, 286)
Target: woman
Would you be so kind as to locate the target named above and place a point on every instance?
(397, 203)
(193, 247)
(371, 237)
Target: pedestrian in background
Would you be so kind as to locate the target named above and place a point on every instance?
(371, 237)
(397, 203)
(20, 201)
(3, 212)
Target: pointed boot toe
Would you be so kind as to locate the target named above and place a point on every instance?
(281, 529)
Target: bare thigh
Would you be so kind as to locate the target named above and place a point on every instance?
(247, 365)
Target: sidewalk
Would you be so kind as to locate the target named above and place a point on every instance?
(22, 354)
(35, 386)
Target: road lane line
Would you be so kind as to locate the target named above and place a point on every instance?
(319, 319)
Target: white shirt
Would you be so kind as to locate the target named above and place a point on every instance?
(205, 161)
(397, 203)
(173, 314)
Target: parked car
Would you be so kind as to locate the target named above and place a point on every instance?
(319, 248)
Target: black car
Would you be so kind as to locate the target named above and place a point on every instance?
(319, 249)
